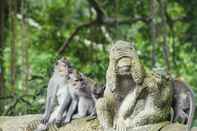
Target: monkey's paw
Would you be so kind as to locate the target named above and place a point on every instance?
(44, 119)
(66, 121)
(58, 123)
(58, 120)
(41, 127)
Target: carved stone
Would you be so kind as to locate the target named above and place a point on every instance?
(133, 96)
(17, 123)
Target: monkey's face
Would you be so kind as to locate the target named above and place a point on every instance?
(98, 92)
(76, 82)
(62, 67)
(123, 66)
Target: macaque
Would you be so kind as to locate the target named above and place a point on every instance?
(72, 90)
(98, 92)
(183, 103)
(82, 98)
(57, 89)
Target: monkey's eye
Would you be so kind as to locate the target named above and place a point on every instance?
(76, 80)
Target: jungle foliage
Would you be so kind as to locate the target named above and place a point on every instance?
(35, 33)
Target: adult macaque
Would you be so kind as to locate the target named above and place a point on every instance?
(183, 103)
(83, 97)
(57, 89)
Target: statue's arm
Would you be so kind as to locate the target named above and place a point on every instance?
(129, 102)
(138, 75)
(137, 71)
(106, 110)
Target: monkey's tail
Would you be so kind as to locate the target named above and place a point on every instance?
(192, 109)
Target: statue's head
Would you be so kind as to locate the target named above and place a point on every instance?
(122, 53)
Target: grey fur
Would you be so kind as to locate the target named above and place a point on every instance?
(183, 103)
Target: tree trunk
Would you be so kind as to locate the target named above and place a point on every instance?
(2, 5)
(25, 48)
(12, 10)
(165, 34)
(153, 13)
(174, 50)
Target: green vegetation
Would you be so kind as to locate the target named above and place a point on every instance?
(34, 33)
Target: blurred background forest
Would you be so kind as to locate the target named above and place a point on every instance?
(35, 33)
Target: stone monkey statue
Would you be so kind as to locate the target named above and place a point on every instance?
(158, 98)
(120, 80)
(183, 103)
(132, 97)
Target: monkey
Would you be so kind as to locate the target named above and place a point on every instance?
(57, 89)
(183, 103)
(62, 68)
(98, 92)
(83, 97)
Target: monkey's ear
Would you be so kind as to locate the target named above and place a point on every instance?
(56, 63)
(61, 59)
(103, 86)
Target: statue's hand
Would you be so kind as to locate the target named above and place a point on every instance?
(120, 125)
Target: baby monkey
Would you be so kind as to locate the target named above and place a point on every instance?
(84, 95)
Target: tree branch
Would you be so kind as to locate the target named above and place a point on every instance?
(112, 22)
(17, 99)
(6, 97)
(99, 11)
(101, 19)
(74, 33)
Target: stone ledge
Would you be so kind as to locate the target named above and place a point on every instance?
(17, 123)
